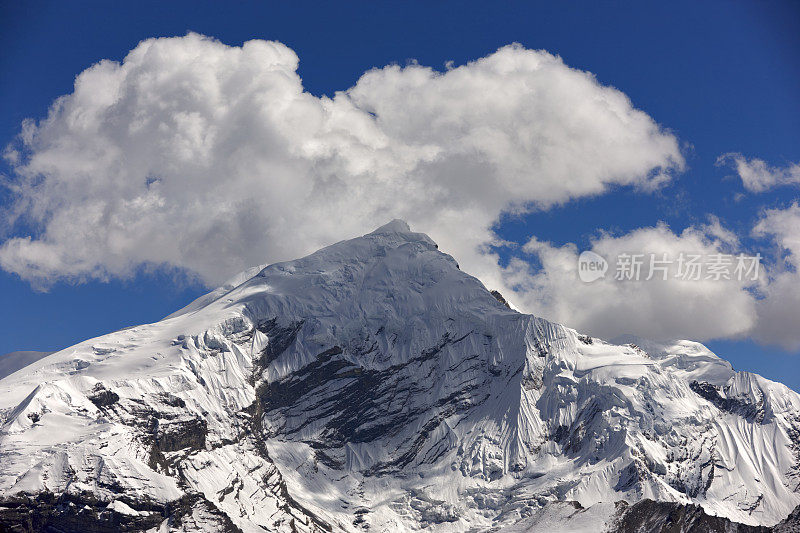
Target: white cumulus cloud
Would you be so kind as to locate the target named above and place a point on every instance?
(763, 306)
(779, 310)
(658, 308)
(213, 158)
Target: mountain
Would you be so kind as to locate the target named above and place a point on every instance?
(13, 361)
(375, 386)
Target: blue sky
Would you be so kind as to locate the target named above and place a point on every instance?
(719, 76)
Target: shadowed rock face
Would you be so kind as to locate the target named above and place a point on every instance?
(368, 405)
(69, 513)
(179, 435)
(662, 517)
(102, 397)
(791, 524)
(373, 385)
(730, 405)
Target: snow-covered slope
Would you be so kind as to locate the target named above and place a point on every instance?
(374, 385)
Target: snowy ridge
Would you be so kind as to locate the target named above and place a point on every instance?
(374, 385)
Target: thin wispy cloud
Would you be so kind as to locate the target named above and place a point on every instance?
(757, 175)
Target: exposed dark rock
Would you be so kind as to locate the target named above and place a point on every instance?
(583, 431)
(178, 435)
(648, 516)
(171, 400)
(280, 338)
(103, 397)
(358, 519)
(363, 408)
(731, 405)
(791, 524)
(500, 298)
(194, 512)
(171, 436)
(69, 513)
(366, 404)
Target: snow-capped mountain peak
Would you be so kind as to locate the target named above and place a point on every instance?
(374, 384)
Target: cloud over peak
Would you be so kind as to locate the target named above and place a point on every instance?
(212, 158)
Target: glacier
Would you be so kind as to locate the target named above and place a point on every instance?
(373, 385)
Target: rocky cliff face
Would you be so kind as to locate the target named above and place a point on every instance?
(373, 385)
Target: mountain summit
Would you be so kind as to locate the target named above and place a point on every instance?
(374, 385)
